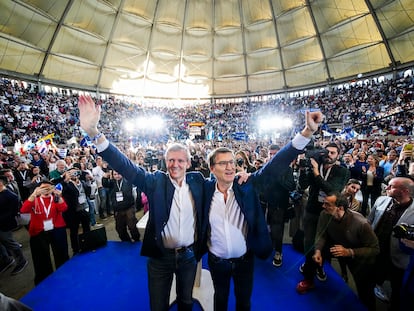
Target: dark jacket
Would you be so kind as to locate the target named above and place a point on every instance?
(126, 189)
(336, 181)
(9, 206)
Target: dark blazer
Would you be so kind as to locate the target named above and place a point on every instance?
(160, 191)
(247, 196)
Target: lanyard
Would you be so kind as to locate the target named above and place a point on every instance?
(327, 172)
(23, 175)
(47, 210)
(119, 185)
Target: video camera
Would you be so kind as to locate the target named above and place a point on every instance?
(319, 154)
(404, 231)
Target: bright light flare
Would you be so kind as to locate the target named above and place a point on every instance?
(276, 123)
(148, 123)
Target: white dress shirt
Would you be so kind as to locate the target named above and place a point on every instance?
(228, 227)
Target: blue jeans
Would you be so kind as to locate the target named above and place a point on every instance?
(160, 276)
(91, 204)
(104, 205)
(241, 271)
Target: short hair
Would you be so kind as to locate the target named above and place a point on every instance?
(4, 179)
(178, 147)
(211, 158)
(353, 181)
(341, 199)
(274, 147)
(333, 145)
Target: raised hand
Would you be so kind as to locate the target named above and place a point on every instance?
(89, 115)
(312, 121)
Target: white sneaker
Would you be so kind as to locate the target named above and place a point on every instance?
(380, 293)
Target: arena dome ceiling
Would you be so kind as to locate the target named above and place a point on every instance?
(202, 48)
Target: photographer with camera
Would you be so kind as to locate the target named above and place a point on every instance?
(389, 212)
(75, 193)
(320, 172)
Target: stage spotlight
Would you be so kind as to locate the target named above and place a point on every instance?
(276, 123)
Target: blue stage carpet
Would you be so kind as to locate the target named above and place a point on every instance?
(114, 278)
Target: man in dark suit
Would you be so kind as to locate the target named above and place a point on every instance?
(176, 234)
(235, 227)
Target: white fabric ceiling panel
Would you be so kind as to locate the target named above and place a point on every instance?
(260, 37)
(295, 26)
(402, 47)
(352, 35)
(302, 52)
(132, 31)
(199, 47)
(19, 58)
(310, 74)
(396, 17)
(26, 25)
(229, 85)
(192, 70)
(332, 13)
(199, 15)
(228, 42)
(74, 44)
(195, 44)
(91, 16)
(363, 60)
(229, 67)
(256, 11)
(72, 71)
(266, 81)
(264, 61)
(126, 57)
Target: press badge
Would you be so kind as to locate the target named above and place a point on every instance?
(47, 224)
(82, 198)
(119, 196)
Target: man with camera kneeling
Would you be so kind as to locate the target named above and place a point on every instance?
(347, 235)
(389, 213)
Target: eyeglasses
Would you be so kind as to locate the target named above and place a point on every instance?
(225, 163)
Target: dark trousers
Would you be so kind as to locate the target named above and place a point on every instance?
(276, 221)
(364, 278)
(310, 223)
(79, 217)
(126, 219)
(40, 248)
(241, 271)
(368, 191)
(160, 276)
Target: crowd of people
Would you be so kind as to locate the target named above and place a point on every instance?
(191, 213)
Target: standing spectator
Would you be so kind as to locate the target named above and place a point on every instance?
(389, 163)
(348, 236)
(395, 208)
(274, 198)
(322, 178)
(75, 192)
(98, 173)
(38, 160)
(372, 179)
(122, 199)
(47, 229)
(36, 178)
(22, 177)
(9, 207)
(55, 176)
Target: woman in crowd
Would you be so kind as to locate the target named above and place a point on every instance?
(47, 229)
(372, 178)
